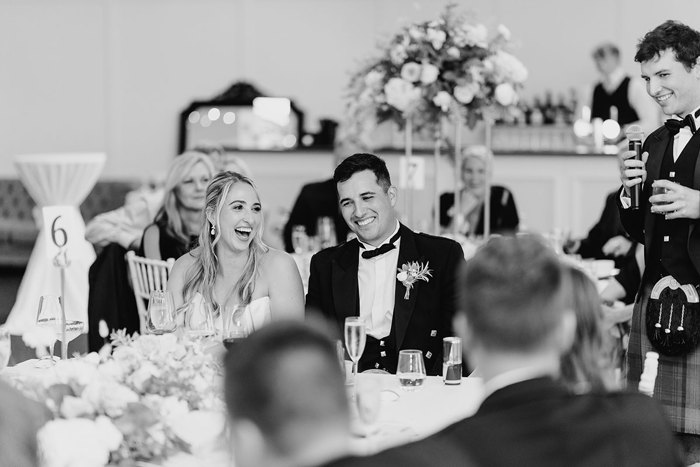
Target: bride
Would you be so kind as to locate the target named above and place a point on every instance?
(232, 266)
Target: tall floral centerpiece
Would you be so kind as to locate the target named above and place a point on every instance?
(448, 68)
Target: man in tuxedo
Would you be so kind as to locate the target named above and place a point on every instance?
(666, 223)
(515, 326)
(286, 398)
(411, 310)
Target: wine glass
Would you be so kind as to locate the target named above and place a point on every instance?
(160, 316)
(355, 338)
(411, 369)
(237, 324)
(199, 319)
(49, 316)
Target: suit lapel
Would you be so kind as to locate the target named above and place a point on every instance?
(344, 281)
(657, 149)
(403, 309)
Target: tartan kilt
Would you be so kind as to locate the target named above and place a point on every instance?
(678, 381)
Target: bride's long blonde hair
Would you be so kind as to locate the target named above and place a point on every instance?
(201, 276)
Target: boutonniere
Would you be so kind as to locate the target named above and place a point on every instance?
(411, 272)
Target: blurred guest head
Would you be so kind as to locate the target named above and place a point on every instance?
(607, 58)
(514, 308)
(286, 398)
(366, 197)
(588, 364)
(185, 187)
(669, 62)
(476, 167)
(233, 224)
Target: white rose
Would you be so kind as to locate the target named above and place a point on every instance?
(476, 34)
(374, 78)
(411, 72)
(398, 54)
(111, 370)
(109, 397)
(73, 407)
(429, 73)
(110, 436)
(503, 32)
(402, 276)
(453, 52)
(505, 94)
(443, 100)
(437, 38)
(507, 67)
(401, 94)
(465, 93)
(415, 33)
(77, 442)
(144, 373)
(38, 336)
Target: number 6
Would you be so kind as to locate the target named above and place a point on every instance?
(57, 230)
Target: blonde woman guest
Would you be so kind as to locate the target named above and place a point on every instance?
(475, 171)
(589, 364)
(179, 219)
(232, 266)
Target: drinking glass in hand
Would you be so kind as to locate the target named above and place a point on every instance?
(659, 190)
(411, 369)
(355, 338)
(161, 313)
(49, 316)
(237, 324)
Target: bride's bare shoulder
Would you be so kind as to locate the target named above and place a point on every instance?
(274, 258)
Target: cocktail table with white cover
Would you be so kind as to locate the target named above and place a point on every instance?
(52, 180)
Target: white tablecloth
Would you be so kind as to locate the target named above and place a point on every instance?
(56, 179)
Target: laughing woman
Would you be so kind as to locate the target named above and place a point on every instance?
(232, 266)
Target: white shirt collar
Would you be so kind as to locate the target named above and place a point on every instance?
(369, 247)
(697, 119)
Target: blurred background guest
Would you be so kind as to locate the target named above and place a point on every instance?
(232, 266)
(286, 398)
(177, 224)
(619, 90)
(476, 169)
(588, 364)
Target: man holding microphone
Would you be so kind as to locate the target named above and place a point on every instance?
(660, 207)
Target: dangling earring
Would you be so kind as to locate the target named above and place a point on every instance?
(213, 230)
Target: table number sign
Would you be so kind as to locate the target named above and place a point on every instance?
(62, 229)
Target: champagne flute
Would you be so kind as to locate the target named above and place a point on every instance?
(237, 324)
(411, 369)
(49, 316)
(161, 313)
(355, 339)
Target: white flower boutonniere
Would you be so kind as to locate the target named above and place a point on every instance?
(411, 272)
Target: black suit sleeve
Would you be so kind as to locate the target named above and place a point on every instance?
(508, 220)
(313, 295)
(446, 202)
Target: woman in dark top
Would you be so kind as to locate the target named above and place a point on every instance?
(179, 220)
(475, 168)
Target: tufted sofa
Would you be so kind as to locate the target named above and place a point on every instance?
(18, 231)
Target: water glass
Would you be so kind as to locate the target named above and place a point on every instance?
(368, 399)
(199, 320)
(452, 360)
(237, 324)
(411, 369)
(160, 316)
(355, 339)
(50, 316)
(659, 190)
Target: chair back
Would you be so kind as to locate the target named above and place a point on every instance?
(147, 275)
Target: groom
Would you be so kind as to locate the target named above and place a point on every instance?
(409, 310)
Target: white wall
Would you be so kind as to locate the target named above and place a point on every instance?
(113, 75)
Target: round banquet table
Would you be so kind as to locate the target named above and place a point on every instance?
(56, 180)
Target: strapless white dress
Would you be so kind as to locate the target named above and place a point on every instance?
(258, 312)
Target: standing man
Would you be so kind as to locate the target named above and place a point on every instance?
(624, 93)
(666, 223)
(401, 310)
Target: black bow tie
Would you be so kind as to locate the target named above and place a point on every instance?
(674, 125)
(385, 248)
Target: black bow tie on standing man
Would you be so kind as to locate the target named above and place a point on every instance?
(385, 248)
(674, 125)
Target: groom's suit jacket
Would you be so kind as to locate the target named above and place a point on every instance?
(419, 322)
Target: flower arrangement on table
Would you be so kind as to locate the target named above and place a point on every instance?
(122, 407)
(448, 67)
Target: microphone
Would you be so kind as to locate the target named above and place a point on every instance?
(635, 135)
